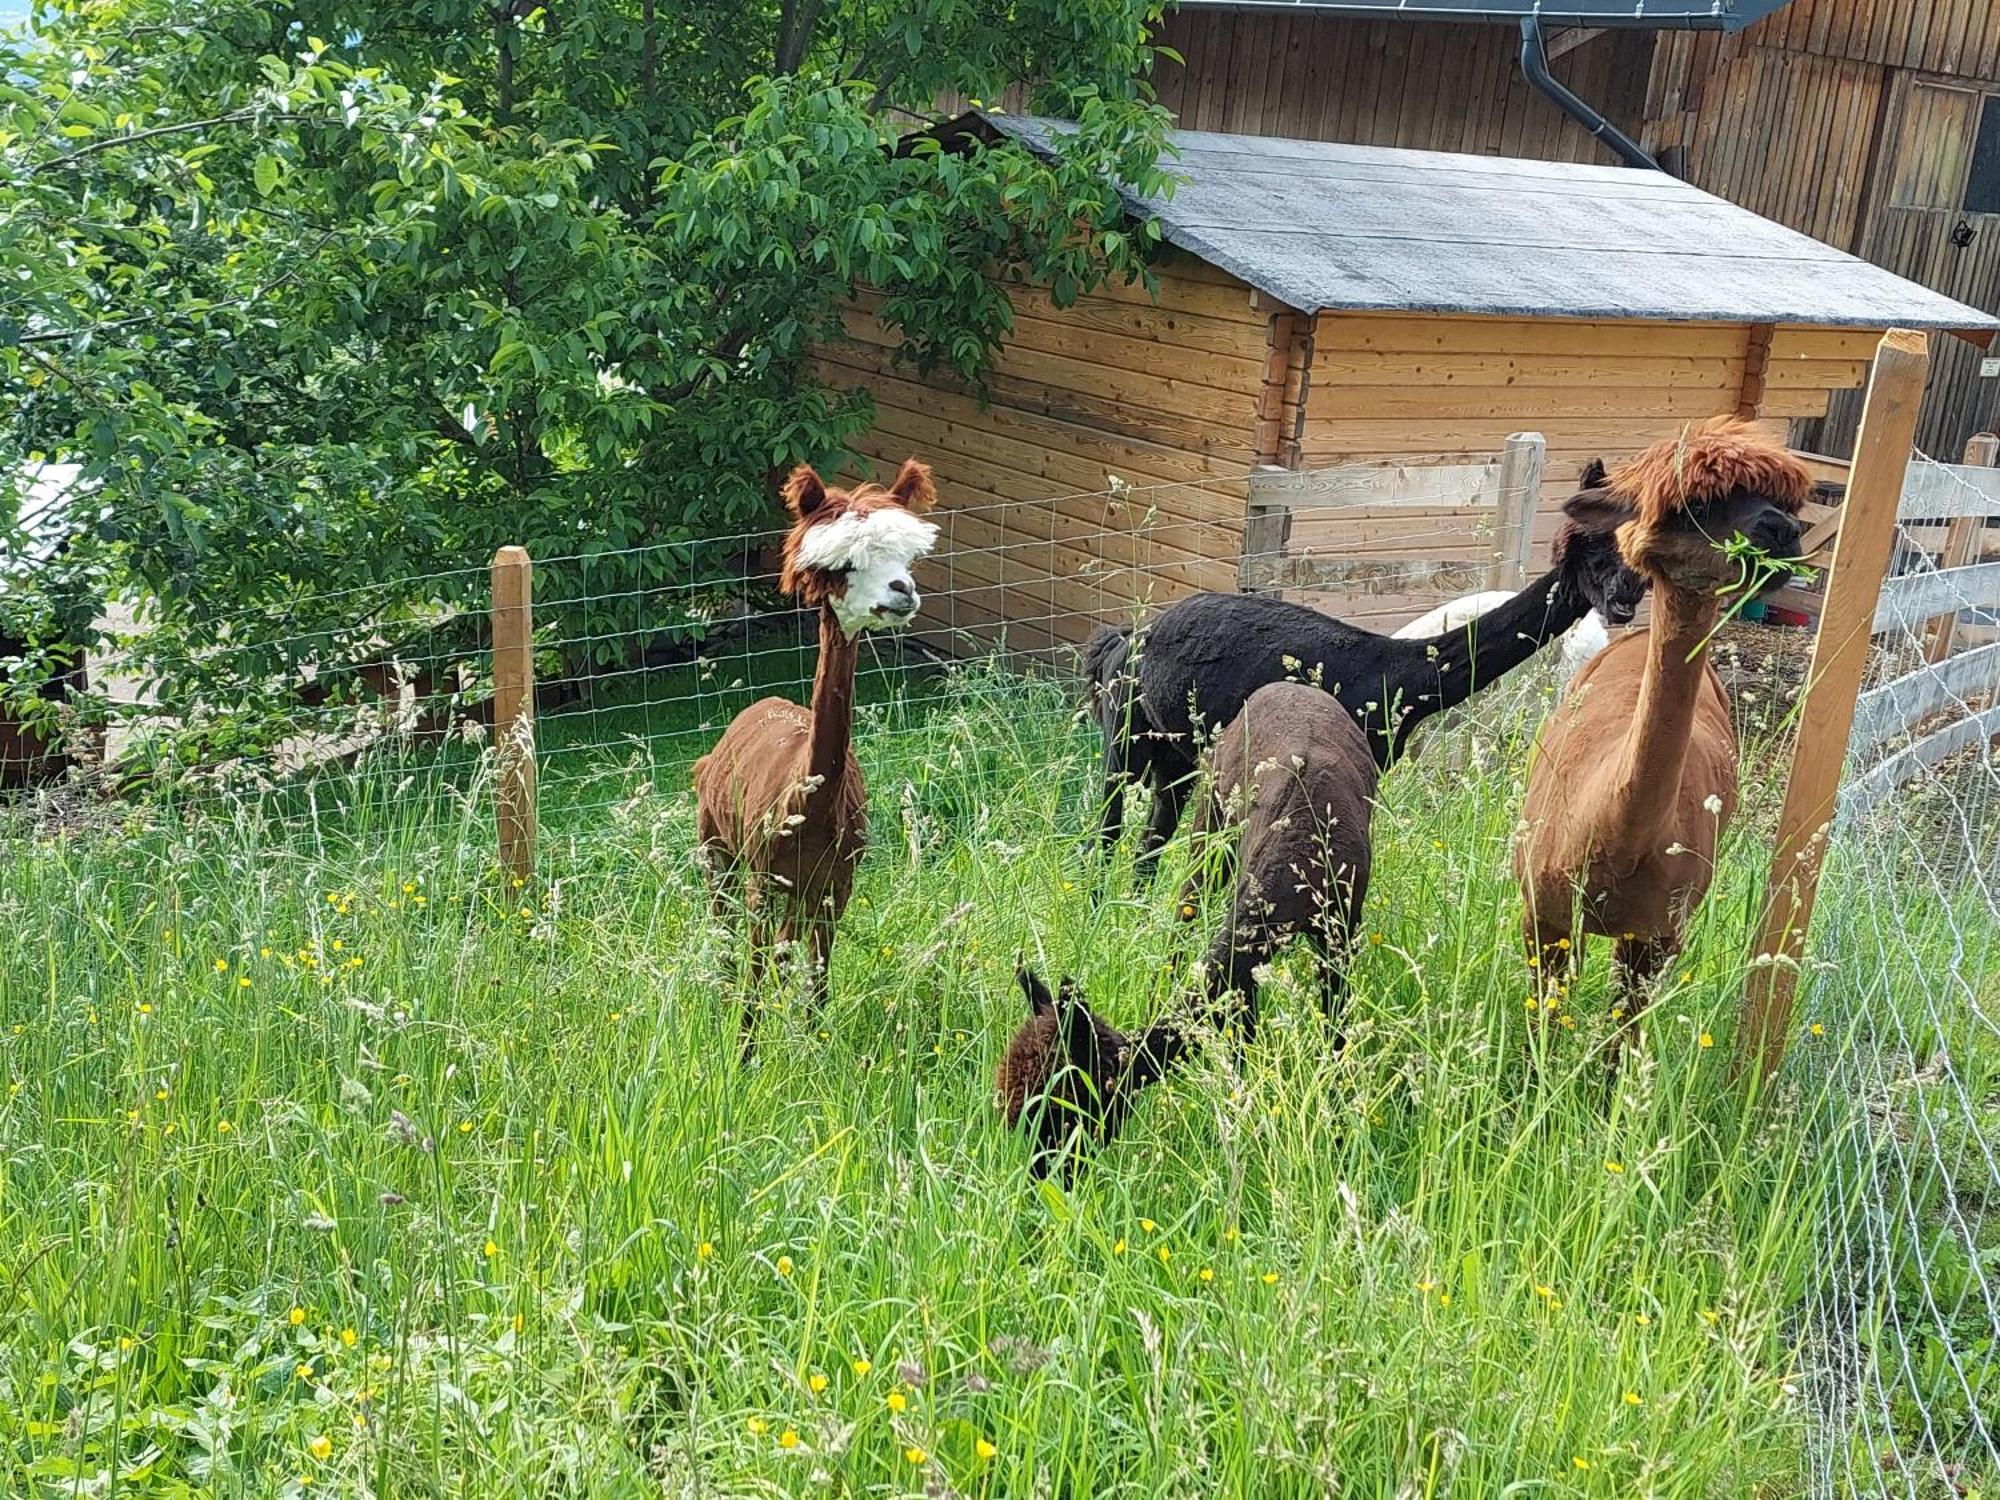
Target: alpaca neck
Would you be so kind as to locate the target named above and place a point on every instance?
(1449, 668)
(832, 710)
(1656, 741)
(1158, 1050)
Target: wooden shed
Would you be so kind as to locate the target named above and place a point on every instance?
(1326, 304)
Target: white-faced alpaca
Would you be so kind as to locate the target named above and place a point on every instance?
(1633, 778)
(780, 805)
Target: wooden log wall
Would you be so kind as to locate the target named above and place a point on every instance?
(1167, 397)
(1451, 390)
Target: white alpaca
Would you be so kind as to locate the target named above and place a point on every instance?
(1580, 642)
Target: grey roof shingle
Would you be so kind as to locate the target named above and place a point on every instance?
(1322, 225)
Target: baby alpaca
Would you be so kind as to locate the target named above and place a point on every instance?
(1070, 1076)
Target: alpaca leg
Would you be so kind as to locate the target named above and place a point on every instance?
(1118, 772)
(1552, 956)
(1637, 962)
(1170, 794)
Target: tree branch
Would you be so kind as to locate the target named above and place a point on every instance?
(796, 22)
(235, 117)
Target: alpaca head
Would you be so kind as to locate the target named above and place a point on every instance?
(1586, 550)
(852, 550)
(1704, 506)
(1067, 1072)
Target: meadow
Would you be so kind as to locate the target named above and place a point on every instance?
(332, 1165)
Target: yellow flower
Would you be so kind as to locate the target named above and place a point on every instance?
(705, 1250)
(321, 1447)
(489, 1250)
(243, 982)
(1613, 1167)
(1207, 1274)
(264, 952)
(221, 965)
(1633, 1398)
(815, 1383)
(784, 1265)
(159, 1093)
(349, 1337)
(145, 1009)
(1708, 1315)
(1444, 1299)
(1707, 1040)
(1643, 1319)
(1270, 1278)
(1148, 1225)
(1068, 886)
(304, 1372)
(296, 1316)
(409, 888)
(1580, 1462)
(1562, 944)
(1425, 1286)
(985, 1449)
(465, 1127)
(126, 1343)
(897, 1401)
(1231, 1234)
(617, 1016)
(520, 1322)
(915, 1454)
(861, 1366)
(788, 1439)
(1119, 1248)
(223, 1127)
(1437, 843)
(758, 1427)
(1186, 909)
(1165, 1254)
(1816, 1029)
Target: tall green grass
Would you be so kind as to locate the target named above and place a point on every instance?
(331, 1165)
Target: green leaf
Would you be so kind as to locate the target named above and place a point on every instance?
(265, 174)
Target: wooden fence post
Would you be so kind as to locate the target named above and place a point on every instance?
(1520, 497)
(514, 710)
(1826, 715)
(1264, 531)
(1961, 542)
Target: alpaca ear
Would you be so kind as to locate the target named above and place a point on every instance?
(1040, 1001)
(1592, 477)
(1079, 1029)
(913, 489)
(804, 492)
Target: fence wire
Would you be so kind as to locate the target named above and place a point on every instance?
(1903, 1329)
(644, 654)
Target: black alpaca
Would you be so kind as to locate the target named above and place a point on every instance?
(1195, 666)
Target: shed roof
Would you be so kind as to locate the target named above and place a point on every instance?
(1318, 224)
(1703, 15)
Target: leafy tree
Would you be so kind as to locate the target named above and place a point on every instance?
(331, 298)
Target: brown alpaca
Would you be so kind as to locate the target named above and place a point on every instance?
(1295, 774)
(780, 805)
(1633, 777)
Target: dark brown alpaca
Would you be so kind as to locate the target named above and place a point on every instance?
(1294, 774)
(780, 805)
(1634, 776)
(1070, 1076)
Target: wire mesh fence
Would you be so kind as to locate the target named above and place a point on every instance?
(1904, 1326)
(643, 655)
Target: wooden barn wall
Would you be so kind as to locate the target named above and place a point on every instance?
(1435, 87)
(1165, 397)
(1451, 390)
(1957, 37)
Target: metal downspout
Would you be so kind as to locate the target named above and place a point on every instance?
(1535, 68)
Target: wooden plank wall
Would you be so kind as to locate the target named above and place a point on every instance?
(1451, 390)
(1437, 87)
(1166, 397)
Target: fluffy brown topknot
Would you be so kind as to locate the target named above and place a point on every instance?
(1708, 462)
